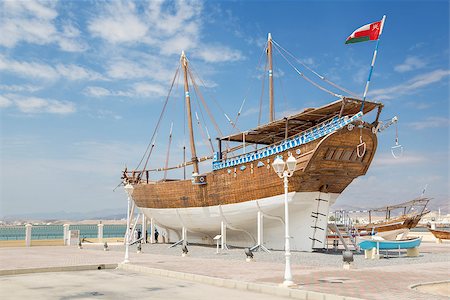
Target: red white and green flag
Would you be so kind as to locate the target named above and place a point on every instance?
(369, 32)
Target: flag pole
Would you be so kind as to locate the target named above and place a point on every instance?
(373, 62)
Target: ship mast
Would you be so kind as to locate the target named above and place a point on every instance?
(269, 55)
(184, 64)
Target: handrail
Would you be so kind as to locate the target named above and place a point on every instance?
(303, 137)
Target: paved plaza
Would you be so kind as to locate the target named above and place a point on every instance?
(320, 274)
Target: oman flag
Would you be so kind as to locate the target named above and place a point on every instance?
(367, 32)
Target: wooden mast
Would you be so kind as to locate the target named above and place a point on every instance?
(184, 64)
(269, 55)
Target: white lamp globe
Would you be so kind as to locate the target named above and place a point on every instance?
(278, 165)
(291, 162)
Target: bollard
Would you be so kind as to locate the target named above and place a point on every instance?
(66, 234)
(100, 233)
(28, 235)
(347, 258)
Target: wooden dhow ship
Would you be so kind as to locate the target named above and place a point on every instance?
(332, 145)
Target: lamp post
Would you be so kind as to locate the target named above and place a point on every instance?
(279, 167)
(129, 189)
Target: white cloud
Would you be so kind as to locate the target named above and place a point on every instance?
(176, 17)
(142, 66)
(103, 114)
(411, 86)
(167, 26)
(431, 122)
(148, 90)
(28, 69)
(5, 102)
(34, 105)
(176, 44)
(119, 23)
(403, 159)
(126, 69)
(96, 91)
(34, 22)
(20, 88)
(219, 54)
(411, 63)
(37, 70)
(139, 89)
(74, 72)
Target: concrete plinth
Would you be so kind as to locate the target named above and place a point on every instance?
(413, 252)
(347, 266)
(371, 254)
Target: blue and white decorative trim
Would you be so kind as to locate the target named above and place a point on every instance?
(310, 135)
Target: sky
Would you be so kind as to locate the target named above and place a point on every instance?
(82, 84)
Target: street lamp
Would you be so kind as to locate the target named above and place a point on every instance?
(279, 167)
(129, 190)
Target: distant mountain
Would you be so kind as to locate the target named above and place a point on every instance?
(106, 214)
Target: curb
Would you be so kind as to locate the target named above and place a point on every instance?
(235, 284)
(58, 269)
(413, 286)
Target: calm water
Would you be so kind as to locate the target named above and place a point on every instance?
(50, 232)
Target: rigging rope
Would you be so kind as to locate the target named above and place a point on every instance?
(248, 89)
(281, 87)
(307, 78)
(315, 73)
(262, 94)
(209, 139)
(197, 91)
(204, 102)
(212, 97)
(168, 152)
(158, 123)
(201, 129)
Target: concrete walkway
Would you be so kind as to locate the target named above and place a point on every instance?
(375, 282)
(113, 284)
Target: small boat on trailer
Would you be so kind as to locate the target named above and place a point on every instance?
(345, 229)
(374, 244)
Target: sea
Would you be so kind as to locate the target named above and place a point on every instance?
(55, 232)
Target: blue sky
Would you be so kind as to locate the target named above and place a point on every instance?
(82, 84)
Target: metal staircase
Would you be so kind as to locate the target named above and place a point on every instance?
(342, 229)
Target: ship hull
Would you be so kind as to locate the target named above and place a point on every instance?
(308, 217)
(440, 234)
(232, 195)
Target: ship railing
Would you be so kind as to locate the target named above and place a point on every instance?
(331, 125)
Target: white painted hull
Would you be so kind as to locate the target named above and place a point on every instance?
(307, 228)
